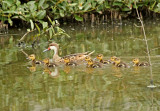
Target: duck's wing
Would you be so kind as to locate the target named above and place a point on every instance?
(78, 56)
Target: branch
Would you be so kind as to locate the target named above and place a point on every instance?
(23, 37)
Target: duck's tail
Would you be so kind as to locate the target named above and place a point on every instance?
(91, 53)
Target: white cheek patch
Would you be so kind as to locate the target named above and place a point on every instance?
(54, 48)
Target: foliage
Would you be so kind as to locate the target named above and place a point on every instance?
(37, 10)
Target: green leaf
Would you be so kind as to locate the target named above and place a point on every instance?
(78, 18)
(10, 21)
(158, 5)
(100, 1)
(52, 22)
(50, 33)
(126, 9)
(73, 4)
(28, 30)
(45, 6)
(38, 28)
(32, 6)
(87, 6)
(31, 2)
(32, 25)
(45, 24)
(61, 13)
(41, 2)
(117, 4)
(8, 2)
(41, 14)
(18, 3)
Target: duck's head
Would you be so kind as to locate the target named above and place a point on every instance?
(66, 60)
(117, 60)
(87, 58)
(100, 56)
(32, 57)
(113, 58)
(46, 61)
(90, 62)
(52, 46)
(135, 61)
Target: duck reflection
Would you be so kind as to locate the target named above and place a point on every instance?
(53, 72)
(32, 68)
(67, 69)
(117, 72)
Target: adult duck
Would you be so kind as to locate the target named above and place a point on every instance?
(137, 63)
(73, 57)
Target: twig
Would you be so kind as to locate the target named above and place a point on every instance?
(137, 25)
(145, 39)
(23, 37)
(24, 53)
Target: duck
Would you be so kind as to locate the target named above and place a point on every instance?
(73, 57)
(113, 58)
(48, 64)
(68, 62)
(100, 58)
(119, 63)
(137, 63)
(33, 58)
(91, 64)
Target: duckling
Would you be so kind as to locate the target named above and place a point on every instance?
(33, 58)
(119, 63)
(87, 58)
(68, 62)
(136, 62)
(91, 64)
(48, 64)
(100, 57)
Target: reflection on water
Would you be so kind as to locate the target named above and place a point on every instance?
(26, 87)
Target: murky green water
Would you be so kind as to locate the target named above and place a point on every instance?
(27, 88)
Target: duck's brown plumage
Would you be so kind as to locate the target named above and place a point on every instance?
(73, 57)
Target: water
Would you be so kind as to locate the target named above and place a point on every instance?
(24, 87)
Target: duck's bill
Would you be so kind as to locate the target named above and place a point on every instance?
(28, 58)
(46, 50)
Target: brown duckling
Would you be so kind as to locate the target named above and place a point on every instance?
(33, 58)
(48, 64)
(137, 63)
(119, 63)
(100, 58)
(91, 64)
(68, 62)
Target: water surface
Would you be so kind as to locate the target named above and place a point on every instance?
(24, 87)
